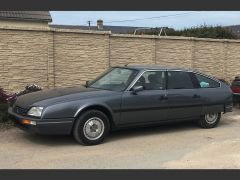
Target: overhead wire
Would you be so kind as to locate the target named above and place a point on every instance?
(158, 17)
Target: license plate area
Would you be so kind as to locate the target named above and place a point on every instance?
(18, 119)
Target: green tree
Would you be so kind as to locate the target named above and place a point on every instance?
(203, 31)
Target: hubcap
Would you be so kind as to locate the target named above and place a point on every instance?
(211, 117)
(93, 128)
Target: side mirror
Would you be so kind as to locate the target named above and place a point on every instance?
(87, 83)
(136, 89)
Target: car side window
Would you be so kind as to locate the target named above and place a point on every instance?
(206, 82)
(152, 80)
(179, 80)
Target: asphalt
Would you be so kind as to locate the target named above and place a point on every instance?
(174, 146)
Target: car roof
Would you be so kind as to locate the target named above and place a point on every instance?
(153, 67)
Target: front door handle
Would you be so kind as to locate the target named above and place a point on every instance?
(163, 97)
(196, 96)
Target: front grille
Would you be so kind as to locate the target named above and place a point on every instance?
(19, 110)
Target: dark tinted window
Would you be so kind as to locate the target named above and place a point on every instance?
(206, 82)
(236, 83)
(179, 80)
(152, 80)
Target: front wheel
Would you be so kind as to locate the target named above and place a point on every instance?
(209, 120)
(91, 127)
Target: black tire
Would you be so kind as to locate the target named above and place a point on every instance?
(204, 123)
(79, 133)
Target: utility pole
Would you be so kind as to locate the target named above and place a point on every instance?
(89, 25)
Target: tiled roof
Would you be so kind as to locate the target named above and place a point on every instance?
(43, 16)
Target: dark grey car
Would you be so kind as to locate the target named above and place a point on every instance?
(124, 97)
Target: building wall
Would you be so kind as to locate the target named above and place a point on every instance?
(232, 60)
(78, 58)
(23, 58)
(62, 58)
(209, 57)
(23, 24)
(124, 49)
(174, 52)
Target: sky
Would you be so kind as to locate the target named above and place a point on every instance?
(171, 19)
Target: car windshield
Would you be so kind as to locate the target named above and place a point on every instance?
(117, 79)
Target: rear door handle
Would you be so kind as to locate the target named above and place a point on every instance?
(196, 96)
(163, 97)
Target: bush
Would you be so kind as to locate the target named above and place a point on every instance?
(3, 112)
(202, 31)
(7, 98)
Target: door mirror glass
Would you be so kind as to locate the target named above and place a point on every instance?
(136, 89)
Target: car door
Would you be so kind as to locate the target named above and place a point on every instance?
(213, 97)
(148, 105)
(184, 100)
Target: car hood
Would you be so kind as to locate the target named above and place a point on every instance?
(57, 95)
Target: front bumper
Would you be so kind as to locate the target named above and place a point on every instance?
(43, 126)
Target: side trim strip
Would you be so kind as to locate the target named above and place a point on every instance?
(59, 122)
(155, 108)
(166, 107)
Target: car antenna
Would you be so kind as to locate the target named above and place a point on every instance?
(126, 64)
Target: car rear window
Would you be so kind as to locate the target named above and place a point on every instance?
(205, 82)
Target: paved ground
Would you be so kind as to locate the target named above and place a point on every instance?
(169, 146)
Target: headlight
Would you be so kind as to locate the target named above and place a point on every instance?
(35, 111)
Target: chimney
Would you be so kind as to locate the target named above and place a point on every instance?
(100, 24)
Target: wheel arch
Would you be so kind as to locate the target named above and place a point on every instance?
(103, 108)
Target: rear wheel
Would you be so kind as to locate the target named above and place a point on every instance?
(91, 127)
(210, 120)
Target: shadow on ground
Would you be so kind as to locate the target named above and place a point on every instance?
(49, 140)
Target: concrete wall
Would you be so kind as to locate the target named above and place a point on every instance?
(23, 24)
(60, 57)
(23, 58)
(79, 57)
(125, 49)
